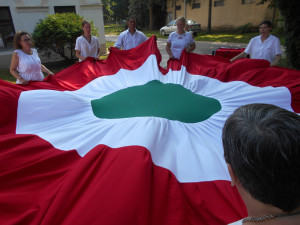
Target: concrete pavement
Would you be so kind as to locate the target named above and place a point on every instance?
(202, 47)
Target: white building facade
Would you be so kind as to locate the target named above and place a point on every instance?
(18, 15)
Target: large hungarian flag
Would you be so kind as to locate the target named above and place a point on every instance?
(125, 141)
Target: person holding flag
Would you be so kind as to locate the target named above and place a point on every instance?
(131, 37)
(87, 45)
(179, 40)
(25, 63)
(265, 46)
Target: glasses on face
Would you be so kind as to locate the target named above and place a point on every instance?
(26, 40)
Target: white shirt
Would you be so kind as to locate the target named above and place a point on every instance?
(87, 49)
(128, 41)
(29, 66)
(236, 223)
(264, 50)
(179, 42)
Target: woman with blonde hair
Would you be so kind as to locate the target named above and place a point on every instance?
(179, 40)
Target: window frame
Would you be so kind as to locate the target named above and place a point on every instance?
(65, 9)
(244, 2)
(219, 3)
(7, 28)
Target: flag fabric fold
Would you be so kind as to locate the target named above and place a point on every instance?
(62, 162)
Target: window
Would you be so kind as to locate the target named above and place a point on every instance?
(218, 3)
(195, 5)
(64, 9)
(172, 23)
(7, 29)
(248, 1)
(178, 7)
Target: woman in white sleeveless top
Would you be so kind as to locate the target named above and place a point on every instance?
(26, 64)
(179, 40)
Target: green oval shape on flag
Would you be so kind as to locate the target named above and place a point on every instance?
(170, 101)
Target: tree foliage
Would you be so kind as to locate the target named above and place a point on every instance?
(108, 13)
(290, 12)
(120, 9)
(58, 32)
(115, 10)
(140, 10)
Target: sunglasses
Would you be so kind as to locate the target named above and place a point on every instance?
(26, 40)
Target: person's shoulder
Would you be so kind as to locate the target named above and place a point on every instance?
(189, 34)
(274, 37)
(94, 37)
(174, 33)
(124, 32)
(172, 36)
(256, 37)
(18, 52)
(80, 38)
(140, 32)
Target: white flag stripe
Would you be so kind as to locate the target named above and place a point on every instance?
(193, 152)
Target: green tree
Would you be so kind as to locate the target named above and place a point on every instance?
(58, 32)
(143, 9)
(290, 12)
(157, 13)
(120, 9)
(139, 9)
(108, 13)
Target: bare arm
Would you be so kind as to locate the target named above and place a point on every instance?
(77, 54)
(239, 56)
(191, 47)
(276, 61)
(45, 70)
(168, 48)
(98, 53)
(119, 42)
(13, 69)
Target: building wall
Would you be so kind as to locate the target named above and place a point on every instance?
(232, 15)
(25, 14)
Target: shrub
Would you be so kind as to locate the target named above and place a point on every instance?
(247, 28)
(58, 32)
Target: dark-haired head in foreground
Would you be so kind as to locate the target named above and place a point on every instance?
(262, 149)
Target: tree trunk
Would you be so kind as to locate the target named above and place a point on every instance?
(290, 11)
(209, 16)
(175, 9)
(151, 17)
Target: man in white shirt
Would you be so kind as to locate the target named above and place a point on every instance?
(131, 37)
(265, 46)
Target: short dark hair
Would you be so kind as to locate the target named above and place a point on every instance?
(131, 17)
(262, 144)
(17, 39)
(267, 22)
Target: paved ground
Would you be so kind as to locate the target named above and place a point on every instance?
(202, 47)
